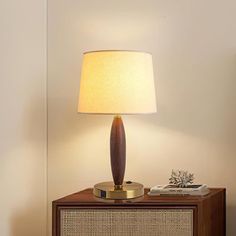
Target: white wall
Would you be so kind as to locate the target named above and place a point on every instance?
(23, 118)
(194, 49)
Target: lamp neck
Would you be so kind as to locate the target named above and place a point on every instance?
(117, 116)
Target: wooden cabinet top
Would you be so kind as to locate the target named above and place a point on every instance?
(86, 197)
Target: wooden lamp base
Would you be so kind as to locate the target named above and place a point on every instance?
(118, 189)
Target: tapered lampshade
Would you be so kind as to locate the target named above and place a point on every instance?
(117, 82)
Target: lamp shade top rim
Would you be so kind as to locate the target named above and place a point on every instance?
(116, 50)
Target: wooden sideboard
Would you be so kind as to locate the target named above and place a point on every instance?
(82, 214)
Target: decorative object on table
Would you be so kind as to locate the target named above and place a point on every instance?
(117, 82)
(191, 189)
(83, 214)
(181, 178)
(180, 183)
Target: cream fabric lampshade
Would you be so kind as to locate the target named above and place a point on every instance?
(117, 82)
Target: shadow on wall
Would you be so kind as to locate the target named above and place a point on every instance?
(200, 100)
(26, 221)
(26, 191)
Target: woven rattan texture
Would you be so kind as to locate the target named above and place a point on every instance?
(126, 222)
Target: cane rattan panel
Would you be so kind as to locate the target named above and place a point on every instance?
(126, 222)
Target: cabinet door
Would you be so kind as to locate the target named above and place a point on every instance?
(126, 222)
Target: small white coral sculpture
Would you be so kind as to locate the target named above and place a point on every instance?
(181, 178)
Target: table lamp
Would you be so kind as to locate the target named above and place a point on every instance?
(117, 82)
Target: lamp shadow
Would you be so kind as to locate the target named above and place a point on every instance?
(26, 221)
(201, 105)
(26, 193)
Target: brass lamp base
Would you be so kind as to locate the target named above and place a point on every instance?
(128, 190)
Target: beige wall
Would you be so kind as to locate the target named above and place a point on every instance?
(194, 49)
(23, 118)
